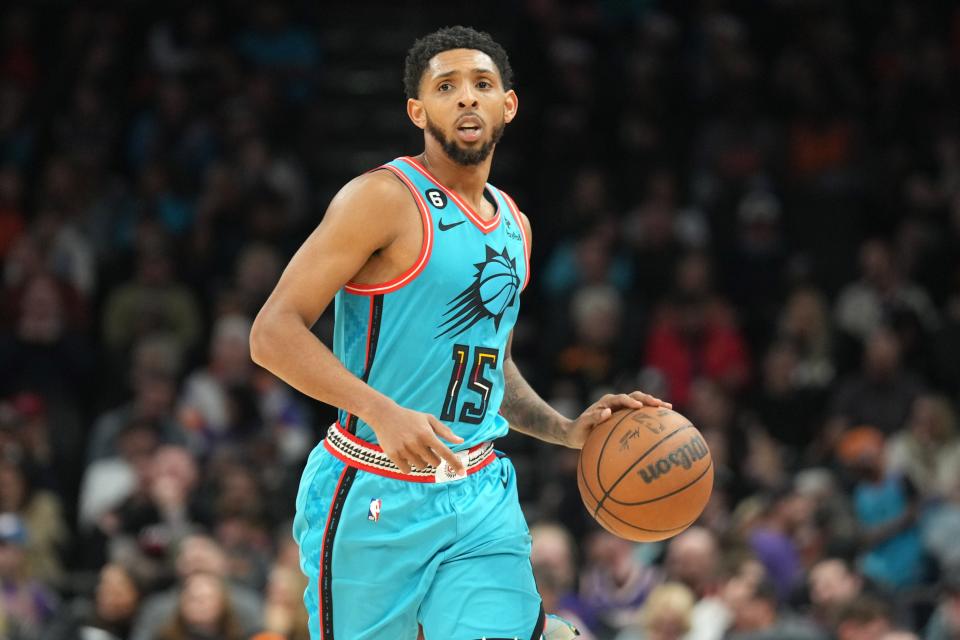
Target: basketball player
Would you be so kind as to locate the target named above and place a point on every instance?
(406, 515)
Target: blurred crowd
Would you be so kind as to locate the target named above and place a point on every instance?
(749, 209)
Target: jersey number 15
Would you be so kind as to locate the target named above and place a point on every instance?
(470, 412)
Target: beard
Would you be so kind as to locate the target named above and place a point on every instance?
(465, 157)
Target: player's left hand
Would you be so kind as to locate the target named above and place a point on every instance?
(579, 429)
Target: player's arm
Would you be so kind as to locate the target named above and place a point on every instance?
(360, 221)
(528, 413)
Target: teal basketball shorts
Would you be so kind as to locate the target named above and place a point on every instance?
(385, 552)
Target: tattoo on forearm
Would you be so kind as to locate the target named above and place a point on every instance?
(526, 411)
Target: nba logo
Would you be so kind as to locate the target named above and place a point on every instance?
(374, 513)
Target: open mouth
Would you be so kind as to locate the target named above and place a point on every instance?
(469, 134)
(469, 129)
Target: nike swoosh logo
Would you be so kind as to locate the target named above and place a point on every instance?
(445, 227)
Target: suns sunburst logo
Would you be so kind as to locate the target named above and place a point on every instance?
(492, 292)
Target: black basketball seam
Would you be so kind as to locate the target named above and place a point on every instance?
(627, 471)
(585, 484)
(633, 526)
(603, 447)
(666, 495)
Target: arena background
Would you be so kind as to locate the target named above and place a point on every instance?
(749, 208)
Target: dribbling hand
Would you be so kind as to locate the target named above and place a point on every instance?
(412, 439)
(603, 408)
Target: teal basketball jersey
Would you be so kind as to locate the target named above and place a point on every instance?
(433, 338)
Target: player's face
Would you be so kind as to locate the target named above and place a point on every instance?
(463, 104)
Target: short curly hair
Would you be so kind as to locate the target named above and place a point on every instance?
(458, 37)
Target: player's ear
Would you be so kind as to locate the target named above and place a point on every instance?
(511, 103)
(416, 113)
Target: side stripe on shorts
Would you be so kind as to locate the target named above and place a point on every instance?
(326, 552)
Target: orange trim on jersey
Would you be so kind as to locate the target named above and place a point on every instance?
(405, 278)
(523, 232)
(484, 225)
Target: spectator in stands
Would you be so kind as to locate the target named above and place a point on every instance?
(203, 611)
(257, 270)
(216, 402)
(693, 560)
(864, 618)
(781, 408)
(832, 585)
(927, 449)
(887, 507)
(24, 599)
(941, 530)
(881, 393)
(153, 398)
(45, 351)
(162, 510)
(283, 610)
(173, 129)
(653, 233)
(772, 539)
(199, 555)
(594, 355)
(866, 305)
(805, 324)
(152, 302)
(694, 335)
(666, 615)
(239, 510)
(42, 516)
(833, 527)
(757, 614)
(282, 49)
(613, 583)
(108, 482)
(554, 567)
(590, 258)
(108, 616)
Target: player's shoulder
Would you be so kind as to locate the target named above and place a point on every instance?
(371, 187)
(370, 200)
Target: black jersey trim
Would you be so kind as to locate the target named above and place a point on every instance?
(373, 338)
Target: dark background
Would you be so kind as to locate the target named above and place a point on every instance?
(751, 209)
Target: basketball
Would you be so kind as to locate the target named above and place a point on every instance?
(645, 474)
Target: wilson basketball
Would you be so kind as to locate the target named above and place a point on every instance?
(645, 474)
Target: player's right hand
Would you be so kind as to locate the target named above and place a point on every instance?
(412, 439)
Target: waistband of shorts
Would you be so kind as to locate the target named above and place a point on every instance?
(369, 457)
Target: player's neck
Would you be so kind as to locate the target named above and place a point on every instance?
(468, 182)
